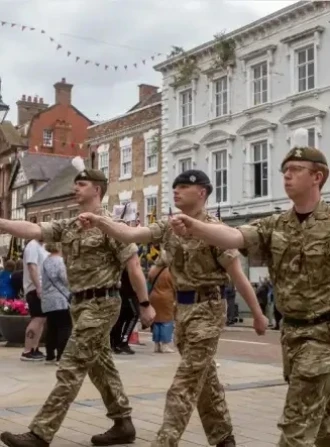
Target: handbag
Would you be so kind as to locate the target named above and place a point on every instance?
(152, 284)
(54, 285)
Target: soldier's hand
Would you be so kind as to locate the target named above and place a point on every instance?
(260, 324)
(88, 220)
(182, 225)
(147, 315)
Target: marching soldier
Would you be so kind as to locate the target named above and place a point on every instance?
(296, 247)
(94, 265)
(198, 271)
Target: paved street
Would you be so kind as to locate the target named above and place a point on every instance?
(250, 368)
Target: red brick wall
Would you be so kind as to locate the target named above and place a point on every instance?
(138, 181)
(69, 130)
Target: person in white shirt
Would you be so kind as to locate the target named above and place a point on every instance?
(33, 258)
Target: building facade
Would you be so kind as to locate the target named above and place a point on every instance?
(127, 150)
(235, 118)
(55, 200)
(230, 107)
(30, 174)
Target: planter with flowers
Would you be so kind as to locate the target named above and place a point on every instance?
(14, 318)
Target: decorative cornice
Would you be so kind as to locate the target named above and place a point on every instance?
(255, 126)
(256, 53)
(303, 34)
(263, 25)
(302, 113)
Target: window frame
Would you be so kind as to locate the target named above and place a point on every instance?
(253, 163)
(215, 95)
(48, 141)
(180, 94)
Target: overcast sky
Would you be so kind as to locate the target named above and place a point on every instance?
(109, 32)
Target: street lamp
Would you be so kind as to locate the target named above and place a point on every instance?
(4, 109)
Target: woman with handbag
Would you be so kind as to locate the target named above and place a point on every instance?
(162, 299)
(55, 303)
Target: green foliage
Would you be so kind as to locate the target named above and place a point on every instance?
(224, 51)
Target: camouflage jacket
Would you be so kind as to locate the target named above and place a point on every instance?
(193, 263)
(93, 260)
(298, 258)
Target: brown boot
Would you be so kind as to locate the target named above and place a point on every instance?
(228, 442)
(24, 440)
(122, 432)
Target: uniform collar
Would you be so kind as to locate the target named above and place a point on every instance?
(321, 212)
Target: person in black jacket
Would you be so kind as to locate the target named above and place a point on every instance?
(128, 317)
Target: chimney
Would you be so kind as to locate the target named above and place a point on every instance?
(28, 107)
(146, 90)
(63, 92)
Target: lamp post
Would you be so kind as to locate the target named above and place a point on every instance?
(4, 108)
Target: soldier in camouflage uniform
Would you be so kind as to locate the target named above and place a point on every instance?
(198, 271)
(94, 265)
(296, 247)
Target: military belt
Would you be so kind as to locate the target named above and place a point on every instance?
(303, 323)
(89, 294)
(198, 296)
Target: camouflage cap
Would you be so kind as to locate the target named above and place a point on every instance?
(93, 175)
(193, 177)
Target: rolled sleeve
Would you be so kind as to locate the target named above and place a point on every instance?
(125, 252)
(158, 231)
(226, 257)
(52, 231)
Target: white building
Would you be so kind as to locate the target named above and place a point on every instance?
(235, 119)
(236, 122)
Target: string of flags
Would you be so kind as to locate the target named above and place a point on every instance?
(80, 59)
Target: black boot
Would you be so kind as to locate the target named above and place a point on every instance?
(228, 442)
(122, 432)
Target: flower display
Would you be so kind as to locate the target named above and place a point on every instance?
(13, 307)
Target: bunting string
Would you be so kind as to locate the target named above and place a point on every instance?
(80, 59)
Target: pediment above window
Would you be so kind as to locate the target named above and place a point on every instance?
(255, 126)
(302, 113)
(182, 145)
(216, 137)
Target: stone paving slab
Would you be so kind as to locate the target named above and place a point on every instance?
(255, 395)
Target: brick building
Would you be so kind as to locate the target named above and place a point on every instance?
(38, 148)
(59, 129)
(126, 148)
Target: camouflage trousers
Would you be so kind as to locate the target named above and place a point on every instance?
(196, 383)
(87, 352)
(306, 358)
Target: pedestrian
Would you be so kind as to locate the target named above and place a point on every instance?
(198, 270)
(128, 317)
(7, 290)
(17, 279)
(55, 304)
(94, 264)
(162, 298)
(296, 246)
(33, 258)
(230, 295)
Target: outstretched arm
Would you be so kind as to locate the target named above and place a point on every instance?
(21, 229)
(214, 234)
(116, 230)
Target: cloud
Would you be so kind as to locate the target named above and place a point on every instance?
(110, 32)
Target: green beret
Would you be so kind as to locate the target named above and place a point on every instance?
(92, 175)
(305, 154)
